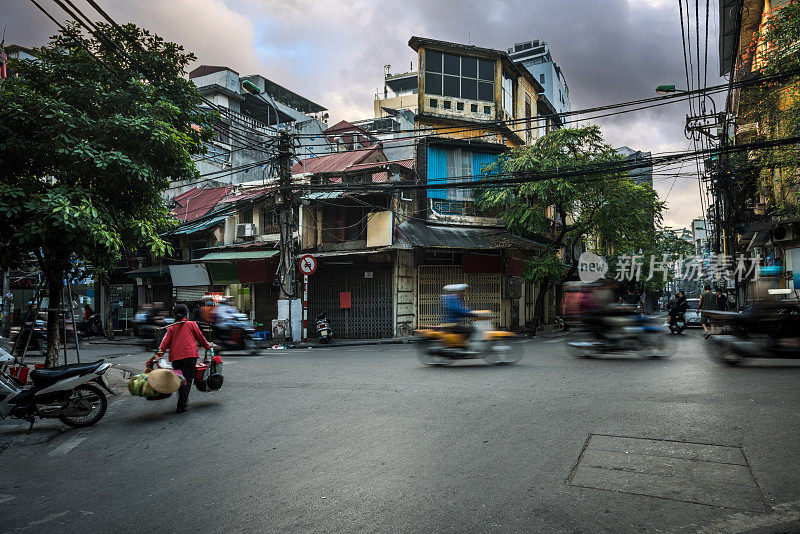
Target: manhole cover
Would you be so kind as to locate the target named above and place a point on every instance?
(699, 473)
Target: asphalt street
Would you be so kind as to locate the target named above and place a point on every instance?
(367, 439)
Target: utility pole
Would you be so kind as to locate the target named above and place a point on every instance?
(6, 305)
(285, 217)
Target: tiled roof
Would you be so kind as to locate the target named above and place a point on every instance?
(197, 203)
(341, 161)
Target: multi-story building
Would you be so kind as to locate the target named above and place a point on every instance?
(765, 225)
(700, 237)
(248, 124)
(473, 104)
(643, 173)
(554, 100)
(468, 92)
(399, 94)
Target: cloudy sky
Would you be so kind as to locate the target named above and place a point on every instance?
(334, 52)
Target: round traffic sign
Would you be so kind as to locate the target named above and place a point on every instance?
(307, 264)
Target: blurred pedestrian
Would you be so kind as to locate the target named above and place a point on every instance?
(722, 300)
(708, 303)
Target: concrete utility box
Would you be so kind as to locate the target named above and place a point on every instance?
(292, 322)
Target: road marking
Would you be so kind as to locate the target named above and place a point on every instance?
(4, 497)
(553, 341)
(67, 446)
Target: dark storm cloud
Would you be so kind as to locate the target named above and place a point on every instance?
(334, 52)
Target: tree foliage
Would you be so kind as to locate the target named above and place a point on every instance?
(771, 110)
(600, 212)
(87, 147)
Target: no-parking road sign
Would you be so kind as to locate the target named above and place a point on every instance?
(307, 264)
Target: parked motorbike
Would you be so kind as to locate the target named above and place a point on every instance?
(440, 345)
(93, 326)
(618, 334)
(677, 323)
(323, 326)
(68, 392)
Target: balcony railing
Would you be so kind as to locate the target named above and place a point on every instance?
(462, 207)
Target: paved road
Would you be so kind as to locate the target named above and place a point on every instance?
(367, 439)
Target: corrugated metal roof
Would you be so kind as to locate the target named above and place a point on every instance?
(239, 255)
(381, 176)
(197, 203)
(323, 195)
(245, 195)
(338, 162)
(199, 225)
(420, 234)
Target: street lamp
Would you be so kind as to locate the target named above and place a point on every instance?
(254, 90)
(667, 89)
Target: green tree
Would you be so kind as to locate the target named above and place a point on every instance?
(88, 147)
(602, 212)
(663, 249)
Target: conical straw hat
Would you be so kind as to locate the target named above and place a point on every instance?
(164, 380)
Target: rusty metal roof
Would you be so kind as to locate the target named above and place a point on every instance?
(338, 162)
(420, 234)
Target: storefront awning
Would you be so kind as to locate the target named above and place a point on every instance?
(153, 271)
(223, 272)
(189, 275)
(232, 255)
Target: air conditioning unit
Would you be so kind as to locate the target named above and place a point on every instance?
(245, 230)
(783, 233)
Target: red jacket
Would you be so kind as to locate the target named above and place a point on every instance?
(181, 340)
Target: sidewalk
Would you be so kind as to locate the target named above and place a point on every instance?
(118, 340)
(544, 332)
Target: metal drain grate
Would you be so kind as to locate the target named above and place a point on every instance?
(700, 473)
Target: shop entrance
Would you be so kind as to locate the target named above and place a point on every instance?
(372, 307)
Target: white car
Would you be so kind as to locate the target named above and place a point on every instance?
(692, 315)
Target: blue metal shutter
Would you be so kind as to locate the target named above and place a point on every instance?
(437, 171)
(479, 159)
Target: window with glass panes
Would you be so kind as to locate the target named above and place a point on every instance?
(508, 92)
(459, 168)
(269, 221)
(246, 215)
(459, 76)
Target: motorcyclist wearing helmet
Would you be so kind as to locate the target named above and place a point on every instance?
(454, 311)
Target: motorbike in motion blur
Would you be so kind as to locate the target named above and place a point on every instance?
(237, 333)
(771, 331)
(441, 345)
(71, 393)
(619, 333)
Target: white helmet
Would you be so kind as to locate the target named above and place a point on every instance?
(455, 288)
